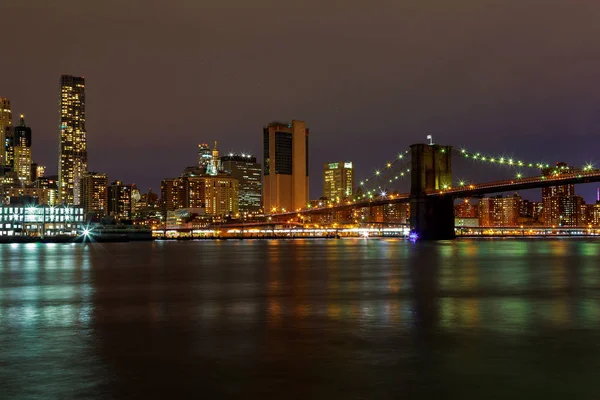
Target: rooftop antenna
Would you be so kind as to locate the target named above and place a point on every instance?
(430, 138)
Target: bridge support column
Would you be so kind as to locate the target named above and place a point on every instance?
(431, 217)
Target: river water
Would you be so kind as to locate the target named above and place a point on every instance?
(301, 319)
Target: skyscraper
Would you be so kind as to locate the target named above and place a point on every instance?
(5, 123)
(285, 150)
(22, 151)
(204, 156)
(119, 200)
(94, 194)
(338, 180)
(72, 162)
(247, 171)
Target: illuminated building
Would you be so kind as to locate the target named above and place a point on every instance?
(594, 214)
(94, 194)
(465, 209)
(119, 200)
(286, 173)
(499, 211)
(23, 220)
(50, 184)
(561, 207)
(397, 213)
(72, 162)
(43, 196)
(22, 151)
(37, 171)
(247, 171)
(173, 192)
(221, 195)
(338, 181)
(204, 156)
(5, 124)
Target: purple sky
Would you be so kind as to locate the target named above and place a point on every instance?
(519, 77)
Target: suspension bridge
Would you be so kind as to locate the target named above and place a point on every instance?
(432, 192)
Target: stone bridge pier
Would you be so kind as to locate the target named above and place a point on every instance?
(431, 217)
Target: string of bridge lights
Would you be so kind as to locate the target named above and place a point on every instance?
(500, 160)
(379, 173)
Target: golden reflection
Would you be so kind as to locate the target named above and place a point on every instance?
(394, 285)
(274, 319)
(334, 311)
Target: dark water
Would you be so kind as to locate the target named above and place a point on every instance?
(350, 319)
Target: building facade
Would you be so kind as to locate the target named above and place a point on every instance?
(94, 194)
(173, 194)
(338, 181)
(561, 207)
(20, 220)
(204, 156)
(285, 171)
(72, 163)
(499, 211)
(22, 152)
(247, 171)
(119, 200)
(5, 126)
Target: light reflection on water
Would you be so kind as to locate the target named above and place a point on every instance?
(269, 316)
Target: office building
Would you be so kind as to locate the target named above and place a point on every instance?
(119, 200)
(285, 170)
(561, 207)
(72, 163)
(30, 220)
(220, 195)
(22, 151)
(338, 181)
(204, 156)
(499, 211)
(5, 125)
(94, 194)
(173, 193)
(247, 171)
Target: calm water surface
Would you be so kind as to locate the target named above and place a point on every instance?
(349, 319)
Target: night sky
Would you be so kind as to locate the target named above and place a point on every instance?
(514, 77)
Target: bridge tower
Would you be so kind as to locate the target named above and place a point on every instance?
(432, 218)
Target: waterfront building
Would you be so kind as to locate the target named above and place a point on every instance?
(247, 171)
(499, 211)
(285, 170)
(465, 209)
(94, 194)
(561, 206)
(72, 164)
(338, 181)
(41, 220)
(120, 200)
(173, 193)
(22, 151)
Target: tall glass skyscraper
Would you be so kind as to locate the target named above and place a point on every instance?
(247, 171)
(72, 157)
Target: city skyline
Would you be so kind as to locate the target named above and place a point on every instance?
(532, 95)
